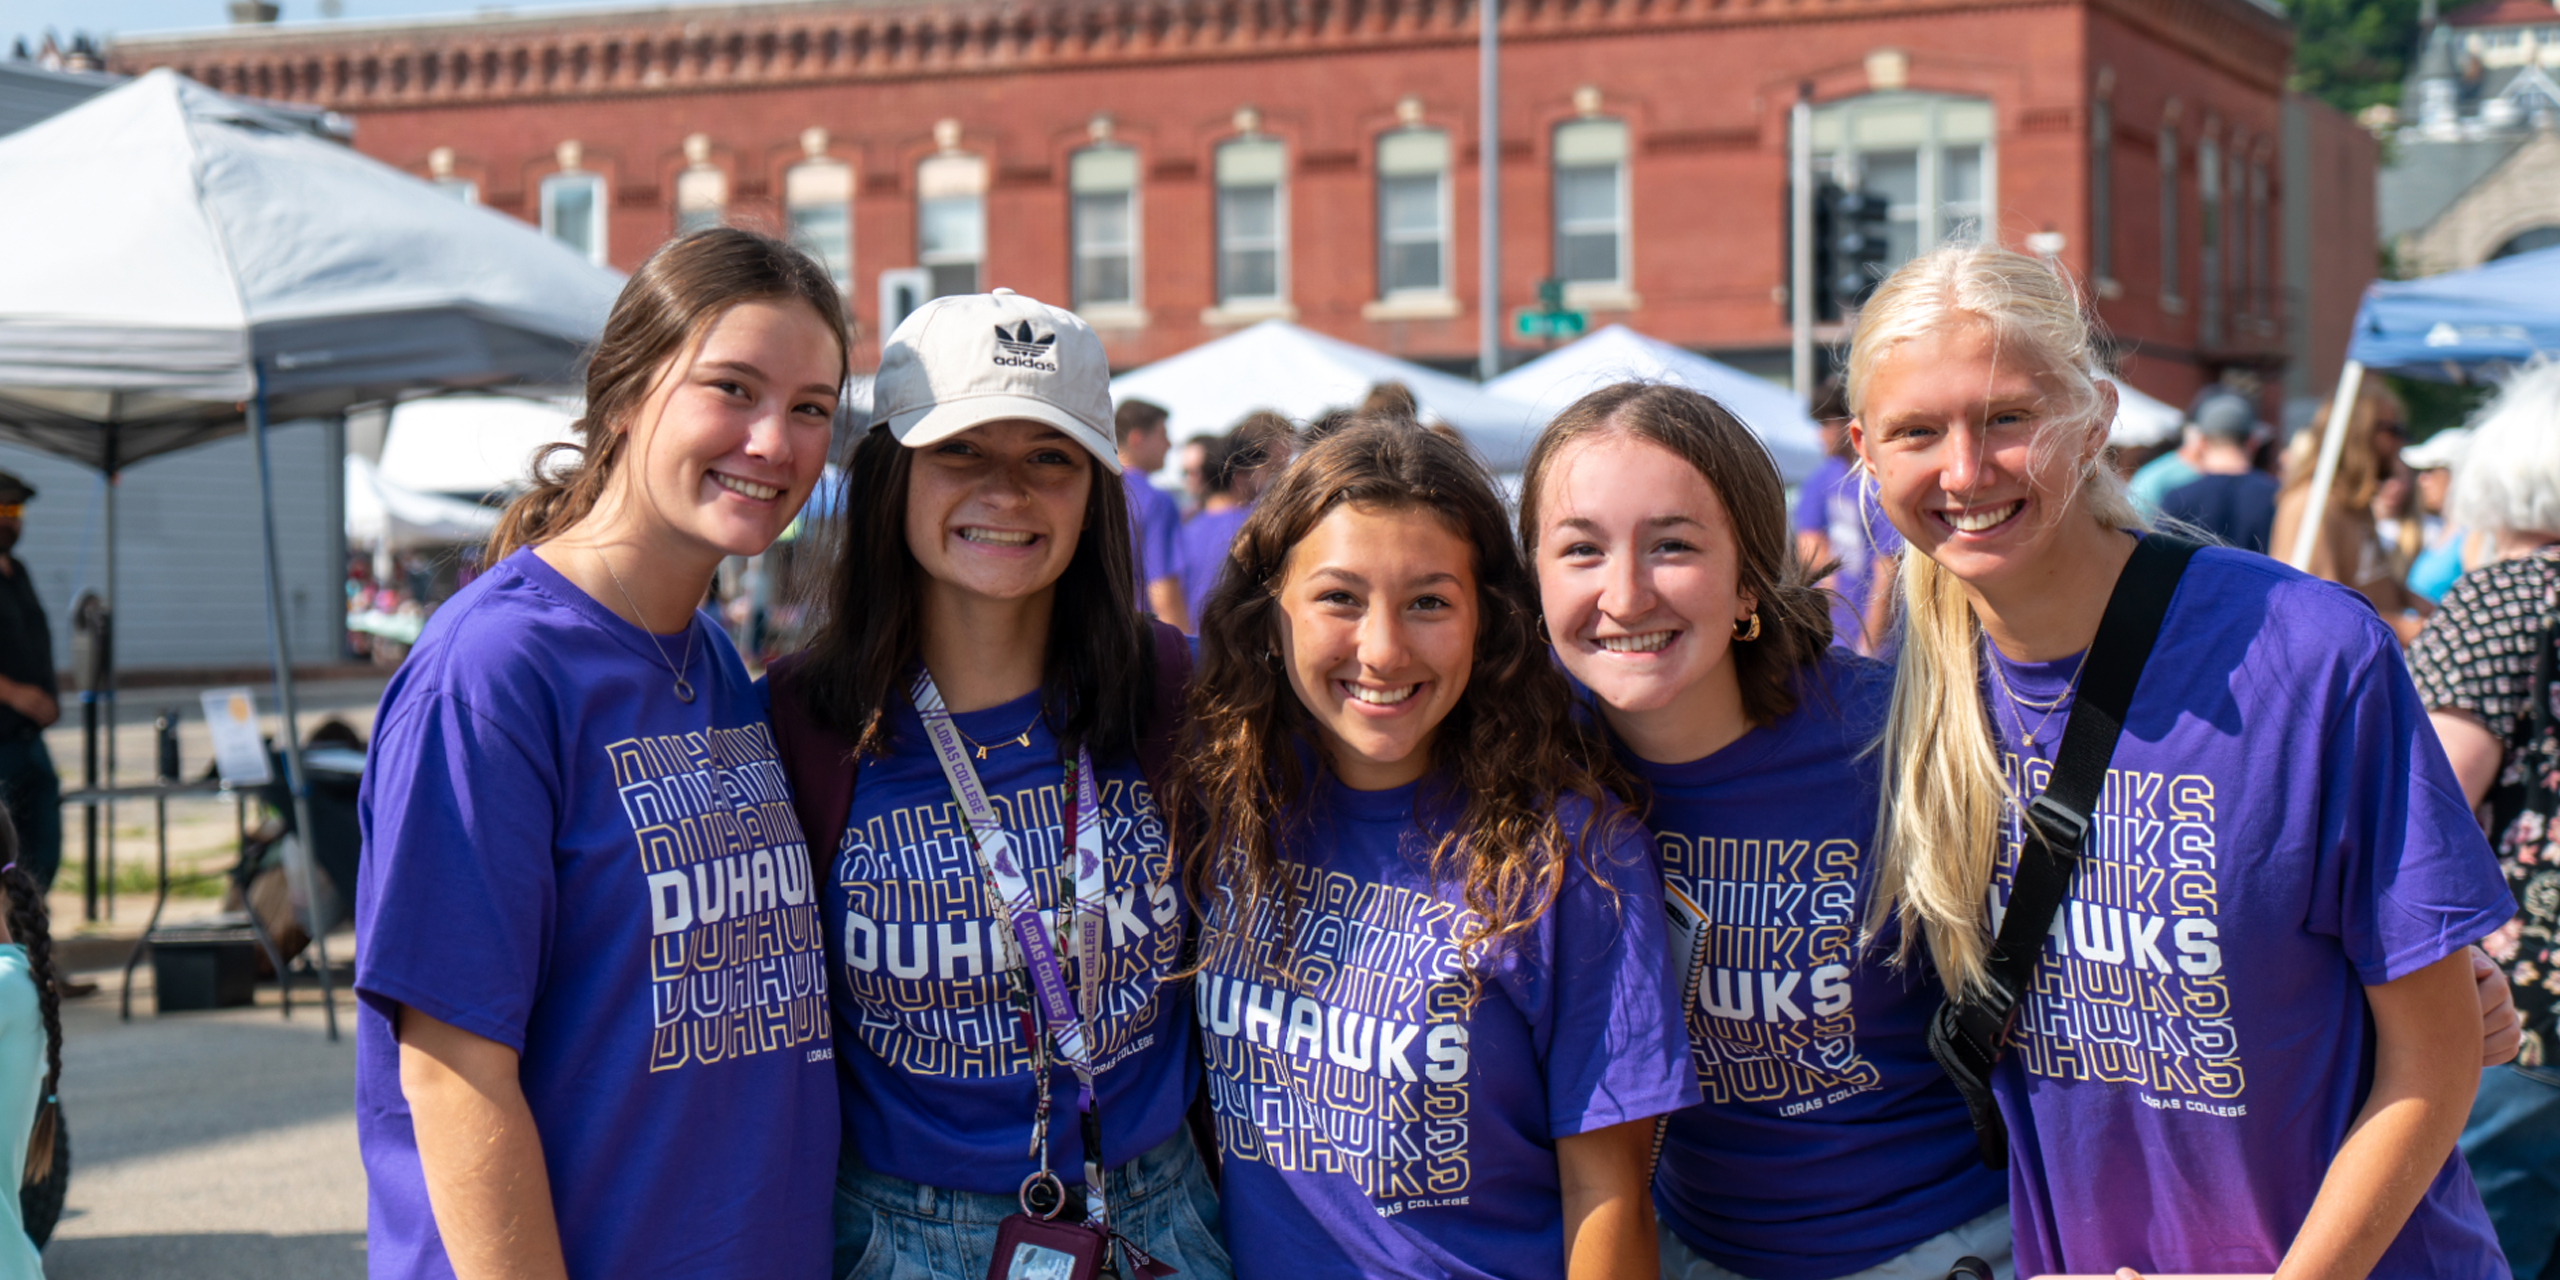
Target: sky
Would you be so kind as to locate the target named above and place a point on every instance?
(30, 18)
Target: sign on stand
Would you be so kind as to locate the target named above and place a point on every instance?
(231, 717)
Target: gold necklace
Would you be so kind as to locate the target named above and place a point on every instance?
(1022, 739)
(2048, 708)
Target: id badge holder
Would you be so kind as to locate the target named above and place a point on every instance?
(1033, 1246)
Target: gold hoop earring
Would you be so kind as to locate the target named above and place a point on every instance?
(1754, 623)
(1543, 637)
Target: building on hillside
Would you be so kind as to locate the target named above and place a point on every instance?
(1176, 168)
(2476, 170)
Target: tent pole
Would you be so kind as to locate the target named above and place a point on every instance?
(107, 667)
(2333, 441)
(298, 860)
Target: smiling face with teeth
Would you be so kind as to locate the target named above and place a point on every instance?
(1377, 628)
(1970, 464)
(1640, 578)
(994, 512)
(731, 439)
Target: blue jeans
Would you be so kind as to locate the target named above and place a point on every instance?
(1986, 1237)
(2513, 1145)
(888, 1228)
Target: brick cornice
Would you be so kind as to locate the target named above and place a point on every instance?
(618, 53)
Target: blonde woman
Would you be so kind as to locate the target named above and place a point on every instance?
(2349, 549)
(2249, 1043)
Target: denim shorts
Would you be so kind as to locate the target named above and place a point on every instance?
(1986, 1237)
(888, 1228)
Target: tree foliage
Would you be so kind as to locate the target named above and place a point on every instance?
(2352, 53)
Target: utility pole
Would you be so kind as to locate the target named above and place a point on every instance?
(1489, 194)
(1800, 240)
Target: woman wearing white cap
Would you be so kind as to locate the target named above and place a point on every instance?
(969, 738)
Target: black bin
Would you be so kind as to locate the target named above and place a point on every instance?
(204, 968)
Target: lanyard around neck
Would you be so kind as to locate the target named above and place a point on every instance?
(1004, 866)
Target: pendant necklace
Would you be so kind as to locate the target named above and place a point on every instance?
(2024, 705)
(1022, 739)
(684, 687)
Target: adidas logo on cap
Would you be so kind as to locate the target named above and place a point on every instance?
(1020, 348)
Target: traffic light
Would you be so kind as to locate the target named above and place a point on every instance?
(1856, 240)
(1826, 201)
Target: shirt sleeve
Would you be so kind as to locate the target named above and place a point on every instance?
(1617, 1049)
(2477, 651)
(456, 898)
(2404, 876)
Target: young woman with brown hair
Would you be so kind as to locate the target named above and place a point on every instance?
(1828, 1143)
(1432, 982)
(969, 741)
(593, 1036)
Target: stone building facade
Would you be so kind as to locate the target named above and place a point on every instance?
(1177, 168)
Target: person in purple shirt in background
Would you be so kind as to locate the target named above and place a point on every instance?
(1239, 464)
(2250, 1040)
(593, 1038)
(1836, 522)
(1432, 985)
(1154, 517)
(1828, 1142)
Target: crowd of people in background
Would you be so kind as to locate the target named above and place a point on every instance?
(1978, 867)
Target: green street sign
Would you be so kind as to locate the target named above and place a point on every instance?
(1546, 324)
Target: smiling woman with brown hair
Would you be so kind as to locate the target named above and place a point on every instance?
(1431, 985)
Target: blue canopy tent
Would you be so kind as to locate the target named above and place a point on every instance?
(2449, 328)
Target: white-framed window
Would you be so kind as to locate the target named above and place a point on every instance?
(817, 202)
(1253, 221)
(951, 221)
(1102, 191)
(2169, 295)
(1591, 202)
(460, 190)
(702, 198)
(1413, 213)
(1928, 155)
(573, 212)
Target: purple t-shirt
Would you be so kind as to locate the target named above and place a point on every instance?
(562, 857)
(1833, 502)
(1153, 520)
(1828, 1141)
(1373, 1121)
(938, 1080)
(1200, 555)
(2280, 830)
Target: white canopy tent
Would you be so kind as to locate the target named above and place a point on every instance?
(1546, 385)
(472, 446)
(197, 264)
(1300, 374)
(383, 514)
(2141, 422)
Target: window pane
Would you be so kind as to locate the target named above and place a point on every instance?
(1102, 279)
(953, 277)
(822, 231)
(1249, 273)
(1587, 255)
(1413, 267)
(1960, 193)
(572, 213)
(1591, 142)
(464, 190)
(1895, 175)
(1248, 214)
(1099, 169)
(1587, 196)
(953, 227)
(1412, 207)
(689, 221)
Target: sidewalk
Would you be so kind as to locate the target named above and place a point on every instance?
(214, 1146)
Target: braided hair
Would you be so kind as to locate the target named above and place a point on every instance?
(30, 924)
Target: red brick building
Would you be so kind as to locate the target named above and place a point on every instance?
(1174, 168)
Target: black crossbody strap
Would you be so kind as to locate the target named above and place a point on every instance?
(1971, 1030)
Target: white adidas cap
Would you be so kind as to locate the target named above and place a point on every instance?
(968, 358)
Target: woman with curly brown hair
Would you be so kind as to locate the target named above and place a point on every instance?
(1432, 984)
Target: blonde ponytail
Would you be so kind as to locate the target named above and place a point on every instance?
(1940, 827)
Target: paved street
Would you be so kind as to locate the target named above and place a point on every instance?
(209, 1145)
